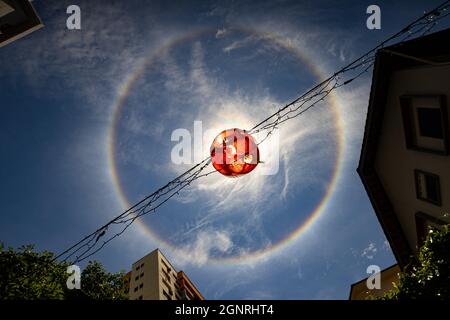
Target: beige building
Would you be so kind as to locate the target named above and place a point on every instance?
(405, 156)
(17, 19)
(154, 278)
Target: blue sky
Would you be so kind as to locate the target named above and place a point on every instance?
(213, 61)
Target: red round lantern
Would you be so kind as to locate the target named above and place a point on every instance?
(234, 152)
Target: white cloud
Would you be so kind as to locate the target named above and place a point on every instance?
(206, 242)
(239, 44)
(386, 245)
(370, 251)
(221, 33)
(89, 64)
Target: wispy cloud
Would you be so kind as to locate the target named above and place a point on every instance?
(370, 251)
(89, 63)
(239, 43)
(221, 33)
(206, 243)
(386, 245)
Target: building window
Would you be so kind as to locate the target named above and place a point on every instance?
(426, 123)
(141, 297)
(166, 285)
(135, 289)
(137, 268)
(165, 276)
(137, 278)
(141, 286)
(142, 265)
(428, 187)
(424, 224)
(167, 295)
(429, 123)
(167, 269)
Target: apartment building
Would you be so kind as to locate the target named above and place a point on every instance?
(153, 277)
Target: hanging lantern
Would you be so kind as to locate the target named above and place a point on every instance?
(234, 152)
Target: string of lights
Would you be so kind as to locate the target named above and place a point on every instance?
(93, 243)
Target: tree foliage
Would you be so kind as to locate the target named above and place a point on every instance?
(26, 274)
(428, 275)
(98, 284)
